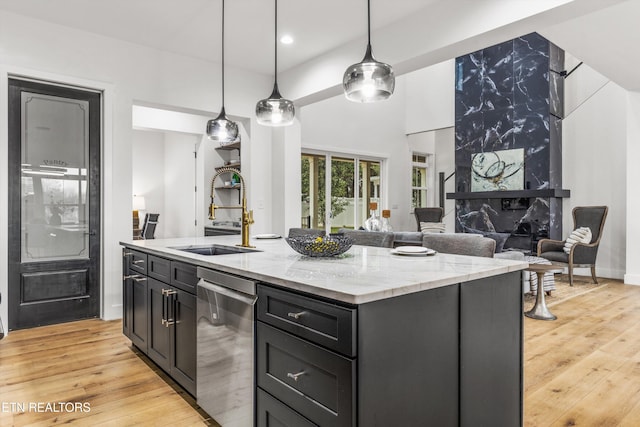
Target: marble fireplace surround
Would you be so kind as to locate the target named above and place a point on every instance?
(509, 97)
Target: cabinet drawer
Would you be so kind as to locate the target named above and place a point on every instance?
(137, 261)
(318, 383)
(323, 323)
(273, 413)
(183, 276)
(159, 268)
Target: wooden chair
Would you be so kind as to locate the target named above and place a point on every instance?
(428, 215)
(581, 254)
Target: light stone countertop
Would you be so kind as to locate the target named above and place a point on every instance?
(360, 275)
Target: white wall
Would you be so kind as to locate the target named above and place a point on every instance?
(632, 275)
(147, 151)
(132, 73)
(430, 98)
(594, 138)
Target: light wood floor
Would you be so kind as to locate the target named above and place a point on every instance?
(580, 370)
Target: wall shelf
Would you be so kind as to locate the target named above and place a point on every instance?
(512, 194)
(232, 146)
(230, 165)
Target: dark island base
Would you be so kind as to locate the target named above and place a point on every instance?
(448, 357)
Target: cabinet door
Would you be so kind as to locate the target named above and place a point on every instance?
(138, 322)
(159, 345)
(183, 340)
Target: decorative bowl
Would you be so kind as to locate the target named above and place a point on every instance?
(326, 246)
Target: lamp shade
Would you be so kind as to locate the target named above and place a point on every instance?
(138, 203)
(275, 110)
(368, 80)
(222, 130)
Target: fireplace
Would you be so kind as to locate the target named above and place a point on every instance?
(508, 148)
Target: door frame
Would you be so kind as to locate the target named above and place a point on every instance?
(110, 269)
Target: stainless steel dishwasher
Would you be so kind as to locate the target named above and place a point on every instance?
(225, 381)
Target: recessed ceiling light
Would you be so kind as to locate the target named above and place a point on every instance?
(286, 39)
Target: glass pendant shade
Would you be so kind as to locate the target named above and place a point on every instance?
(368, 80)
(275, 110)
(222, 130)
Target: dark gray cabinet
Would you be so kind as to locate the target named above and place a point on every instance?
(159, 344)
(450, 356)
(183, 340)
(134, 291)
(159, 314)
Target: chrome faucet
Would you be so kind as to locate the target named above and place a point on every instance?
(247, 216)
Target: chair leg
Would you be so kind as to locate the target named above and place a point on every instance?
(593, 274)
(570, 275)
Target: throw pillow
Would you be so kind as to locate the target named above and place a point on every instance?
(579, 235)
(500, 239)
(432, 227)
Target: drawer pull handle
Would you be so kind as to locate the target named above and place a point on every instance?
(295, 376)
(139, 278)
(167, 292)
(297, 315)
(138, 261)
(127, 254)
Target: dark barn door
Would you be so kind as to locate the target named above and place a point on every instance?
(54, 204)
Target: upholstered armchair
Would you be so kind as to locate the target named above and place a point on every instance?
(428, 215)
(581, 255)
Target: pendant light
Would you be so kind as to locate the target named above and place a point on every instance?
(368, 80)
(221, 129)
(275, 110)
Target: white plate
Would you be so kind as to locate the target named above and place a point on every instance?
(416, 251)
(412, 249)
(267, 236)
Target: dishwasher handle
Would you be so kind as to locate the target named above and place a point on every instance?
(247, 299)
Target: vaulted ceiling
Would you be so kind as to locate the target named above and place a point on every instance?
(409, 34)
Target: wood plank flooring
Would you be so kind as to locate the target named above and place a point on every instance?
(584, 368)
(580, 370)
(92, 364)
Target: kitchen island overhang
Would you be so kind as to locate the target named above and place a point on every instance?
(362, 274)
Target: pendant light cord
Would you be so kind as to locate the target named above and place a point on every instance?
(369, 22)
(223, 54)
(275, 38)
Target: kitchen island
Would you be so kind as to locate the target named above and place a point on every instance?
(370, 338)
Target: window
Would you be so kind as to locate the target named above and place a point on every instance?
(419, 181)
(333, 201)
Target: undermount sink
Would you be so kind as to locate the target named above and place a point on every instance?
(213, 249)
